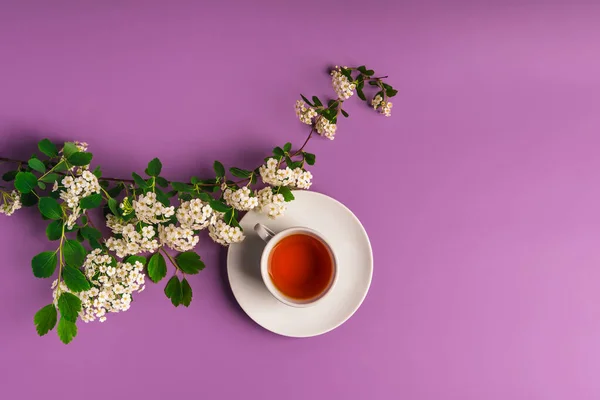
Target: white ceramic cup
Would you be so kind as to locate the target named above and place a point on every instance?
(272, 240)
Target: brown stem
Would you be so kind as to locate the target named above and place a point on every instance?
(312, 130)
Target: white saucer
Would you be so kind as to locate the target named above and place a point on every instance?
(348, 240)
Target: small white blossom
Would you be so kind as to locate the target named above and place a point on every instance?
(11, 202)
(195, 214)
(224, 234)
(149, 210)
(177, 237)
(132, 242)
(75, 189)
(111, 290)
(385, 106)
(271, 204)
(326, 128)
(273, 176)
(241, 199)
(304, 113)
(341, 84)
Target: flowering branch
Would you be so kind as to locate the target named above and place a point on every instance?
(148, 215)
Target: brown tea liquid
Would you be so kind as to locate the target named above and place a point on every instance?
(300, 266)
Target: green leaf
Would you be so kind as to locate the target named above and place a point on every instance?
(157, 267)
(287, 147)
(360, 93)
(133, 259)
(317, 102)
(66, 330)
(240, 173)
(116, 190)
(362, 69)
(45, 319)
(219, 169)
(182, 187)
(287, 193)
(205, 197)
(373, 83)
(346, 73)
(9, 176)
(69, 306)
(230, 217)
(29, 199)
(186, 293)
(25, 182)
(36, 165)
(310, 158)
(219, 206)
(97, 172)
(75, 279)
(54, 230)
(79, 236)
(74, 253)
(278, 152)
(69, 148)
(345, 114)
(42, 185)
(89, 232)
(48, 148)
(369, 72)
(113, 206)
(306, 100)
(173, 290)
(61, 166)
(139, 181)
(162, 197)
(50, 178)
(189, 262)
(50, 208)
(162, 182)
(44, 264)
(91, 201)
(390, 92)
(80, 158)
(154, 167)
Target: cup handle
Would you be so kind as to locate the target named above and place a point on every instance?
(263, 232)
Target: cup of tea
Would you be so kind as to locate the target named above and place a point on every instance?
(297, 265)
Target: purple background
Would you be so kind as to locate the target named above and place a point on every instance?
(480, 194)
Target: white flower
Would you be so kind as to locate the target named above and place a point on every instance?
(111, 292)
(149, 210)
(304, 113)
(11, 202)
(271, 204)
(55, 186)
(224, 234)
(195, 214)
(384, 106)
(303, 178)
(178, 238)
(85, 184)
(242, 199)
(341, 84)
(132, 241)
(326, 128)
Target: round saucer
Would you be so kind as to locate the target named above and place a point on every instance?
(348, 239)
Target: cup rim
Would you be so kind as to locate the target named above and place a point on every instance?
(264, 267)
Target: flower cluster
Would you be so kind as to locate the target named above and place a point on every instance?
(112, 286)
(304, 113)
(11, 202)
(273, 205)
(195, 214)
(177, 237)
(326, 128)
(341, 84)
(385, 106)
(151, 211)
(242, 199)
(134, 239)
(225, 234)
(75, 189)
(272, 175)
